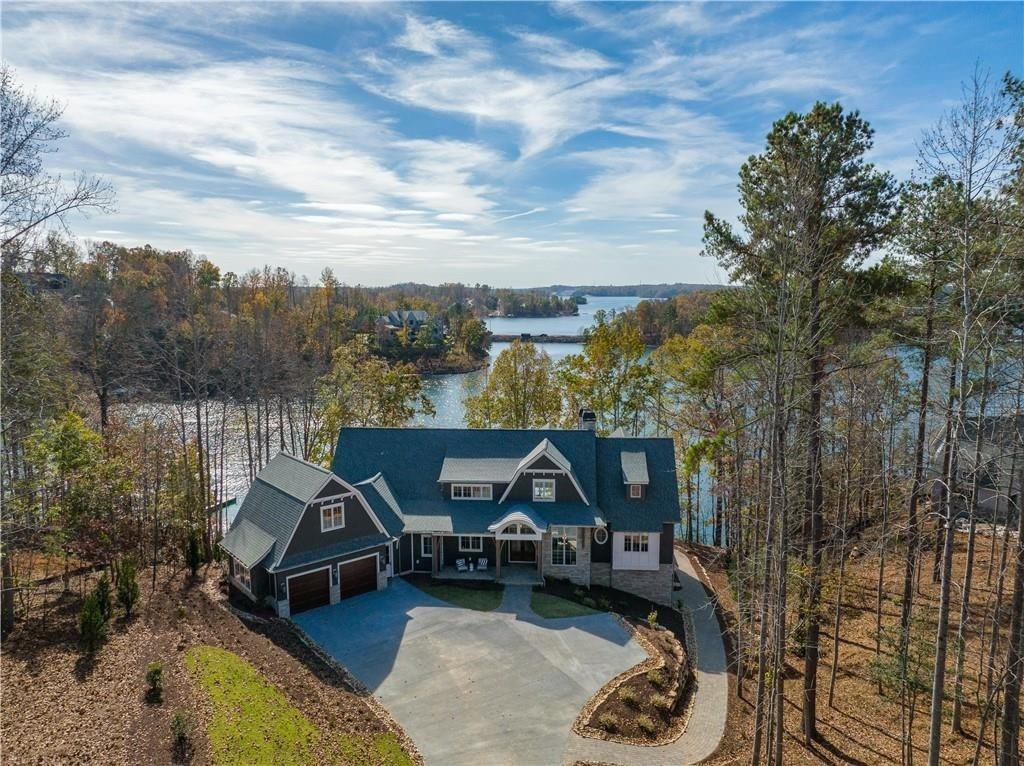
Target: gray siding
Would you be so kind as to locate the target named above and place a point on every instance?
(565, 492)
(419, 563)
(308, 536)
(404, 553)
(258, 576)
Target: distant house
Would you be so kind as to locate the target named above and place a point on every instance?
(39, 281)
(1000, 468)
(512, 506)
(413, 322)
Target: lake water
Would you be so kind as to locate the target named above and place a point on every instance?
(448, 392)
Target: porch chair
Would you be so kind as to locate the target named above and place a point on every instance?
(481, 565)
(460, 565)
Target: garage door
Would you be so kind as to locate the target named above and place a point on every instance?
(309, 591)
(359, 577)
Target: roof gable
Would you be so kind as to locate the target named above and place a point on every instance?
(294, 476)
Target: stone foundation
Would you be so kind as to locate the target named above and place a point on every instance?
(653, 585)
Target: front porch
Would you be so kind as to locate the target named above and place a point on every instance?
(511, 574)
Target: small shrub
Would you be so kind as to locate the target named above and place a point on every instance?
(662, 702)
(181, 729)
(102, 594)
(127, 587)
(92, 624)
(589, 602)
(647, 725)
(652, 618)
(629, 696)
(181, 611)
(657, 677)
(193, 552)
(604, 604)
(579, 593)
(608, 721)
(155, 681)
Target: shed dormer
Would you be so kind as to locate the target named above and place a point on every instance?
(634, 474)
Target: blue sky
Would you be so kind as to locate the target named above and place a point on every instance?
(508, 143)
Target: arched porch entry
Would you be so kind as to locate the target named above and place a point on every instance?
(518, 537)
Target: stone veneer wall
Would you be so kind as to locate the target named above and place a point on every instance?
(578, 573)
(650, 584)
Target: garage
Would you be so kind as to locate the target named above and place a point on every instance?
(308, 591)
(359, 576)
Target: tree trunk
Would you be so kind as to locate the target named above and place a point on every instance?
(1009, 732)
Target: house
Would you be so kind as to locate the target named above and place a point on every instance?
(512, 506)
(413, 322)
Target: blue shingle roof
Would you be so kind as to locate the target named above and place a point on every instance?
(273, 511)
(661, 504)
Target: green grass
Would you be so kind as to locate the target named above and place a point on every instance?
(550, 607)
(481, 599)
(253, 722)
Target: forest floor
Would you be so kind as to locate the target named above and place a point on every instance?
(862, 726)
(60, 707)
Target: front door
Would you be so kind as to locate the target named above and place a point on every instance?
(521, 552)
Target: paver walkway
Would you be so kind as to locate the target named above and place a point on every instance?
(474, 688)
(707, 720)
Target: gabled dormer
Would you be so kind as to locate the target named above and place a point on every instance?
(635, 477)
(544, 476)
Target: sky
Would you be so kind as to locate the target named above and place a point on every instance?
(512, 144)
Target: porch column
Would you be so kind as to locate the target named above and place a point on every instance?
(539, 548)
(436, 563)
(497, 562)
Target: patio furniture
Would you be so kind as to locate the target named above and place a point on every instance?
(481, 565)
(460, 565)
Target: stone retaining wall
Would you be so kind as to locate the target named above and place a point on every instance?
(650, 584)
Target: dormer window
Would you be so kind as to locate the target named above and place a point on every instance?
(332, 517)
(471, 491)
(636, 491)
(544, 490)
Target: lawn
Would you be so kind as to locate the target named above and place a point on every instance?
(253, 722)
(480, 598)
(548, 606)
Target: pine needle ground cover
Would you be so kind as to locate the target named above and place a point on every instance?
(253, 722)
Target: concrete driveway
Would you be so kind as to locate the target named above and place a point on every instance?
(474, 688)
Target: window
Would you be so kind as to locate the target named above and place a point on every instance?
(426, 546)
(636, 491)
(563, 546)
(601, 535)
(471, 492)
(544, 490)
(471, 544)
(332, 517)
(634, 543)
(243, 575)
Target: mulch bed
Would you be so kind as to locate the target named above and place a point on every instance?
(61, 708)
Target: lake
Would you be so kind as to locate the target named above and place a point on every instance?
(448, 392)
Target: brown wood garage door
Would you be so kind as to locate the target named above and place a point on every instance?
(359, 577)
(309, 591)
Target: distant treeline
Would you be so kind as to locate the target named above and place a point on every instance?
(659, 291)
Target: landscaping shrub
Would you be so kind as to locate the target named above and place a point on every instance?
(181, 611)
(652, 618)
(155, 681)
(662, 702)
(657, 677)
(92, 624)
(647, 725)
(604, 604)
(102, 594)
(127, 586)
(589, 602)
(181, 728)
(608, 721)
(630, 696)
(193, 552)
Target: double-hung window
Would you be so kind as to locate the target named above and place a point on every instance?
(563, 546)
(332, 517)
(470, 544)
(634, 543)
(471, 492)
(636, 491)
(426, 546)
(544, 490)
(243, 575)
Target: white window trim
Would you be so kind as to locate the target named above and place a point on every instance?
(574, 537)
(603, 532)
(423, 550)
(648, 560)
(245, 583)
(331, 507)
(636, 491)
(550, 482)
(487, 495)
(469, 548)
